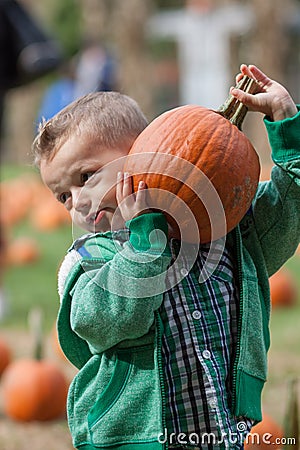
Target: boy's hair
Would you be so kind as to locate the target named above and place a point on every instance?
(107, 117)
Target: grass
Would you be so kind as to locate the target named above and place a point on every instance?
(35, 284)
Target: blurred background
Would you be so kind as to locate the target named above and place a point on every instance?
(163, 53)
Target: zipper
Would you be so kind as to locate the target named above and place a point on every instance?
(161, 373)
(238, 344)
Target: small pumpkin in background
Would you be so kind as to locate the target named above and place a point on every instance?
(283, 289)
(47, 213)
(202, 158)
(34, 388)
(49, 216)
(265, 435)
(16, 197)
(22, 250)
(26, 196)
(5, 355)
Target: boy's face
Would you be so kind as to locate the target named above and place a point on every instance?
(82, 176)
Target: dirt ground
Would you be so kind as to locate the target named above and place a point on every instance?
(34, 436)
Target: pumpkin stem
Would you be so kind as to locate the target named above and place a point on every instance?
(234, 110)
(35, 326)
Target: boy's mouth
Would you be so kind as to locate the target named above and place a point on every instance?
(96, 217)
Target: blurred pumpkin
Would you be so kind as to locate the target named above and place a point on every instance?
(47, 213)
(283, 288)
(28, 195)
(22, 250)
(17, 196)
(265, 435)
(49, 216)
(5, 355)
(34, 390)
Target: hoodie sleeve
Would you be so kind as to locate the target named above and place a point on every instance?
(115, 300)
(276, 207)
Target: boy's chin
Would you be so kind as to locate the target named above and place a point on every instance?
(110, 221)
(91, 228)
(102, 227)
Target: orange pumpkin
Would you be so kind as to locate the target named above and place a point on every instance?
(22, 250)
(5, 355)
(34, 390)
(283, 288)
(205, 161)
(265, 435)
(17, 196)
(49, 216)
(47, 213)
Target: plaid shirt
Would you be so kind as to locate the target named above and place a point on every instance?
(200, 333)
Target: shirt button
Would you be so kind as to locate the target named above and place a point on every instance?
(196, 314)
(213, 403)
(206, 354)
(184, 272)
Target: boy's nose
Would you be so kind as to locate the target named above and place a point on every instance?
(80, 201)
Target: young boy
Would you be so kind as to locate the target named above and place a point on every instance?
(163, 364)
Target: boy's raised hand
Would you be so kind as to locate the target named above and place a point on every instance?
(131, 204)
(273, 99)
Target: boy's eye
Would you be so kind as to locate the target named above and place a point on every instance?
(84, 177)
(64, 197)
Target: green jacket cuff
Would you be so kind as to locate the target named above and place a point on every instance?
(149, 232)
(284, 137)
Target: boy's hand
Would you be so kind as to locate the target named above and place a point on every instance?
(273, 99)
(131, 204)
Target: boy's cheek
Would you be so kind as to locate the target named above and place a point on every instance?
(75, 217)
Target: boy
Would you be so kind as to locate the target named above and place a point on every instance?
(163, 364)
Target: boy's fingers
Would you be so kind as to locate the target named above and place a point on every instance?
(119, 186)
(246, 99)
(142, 185)
(252, 72)
(238, 78)
(127, 186)
(245, 70)
(259, 76)
(141, 194)
(256, 72)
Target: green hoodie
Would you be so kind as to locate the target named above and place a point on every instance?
(109, 325)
